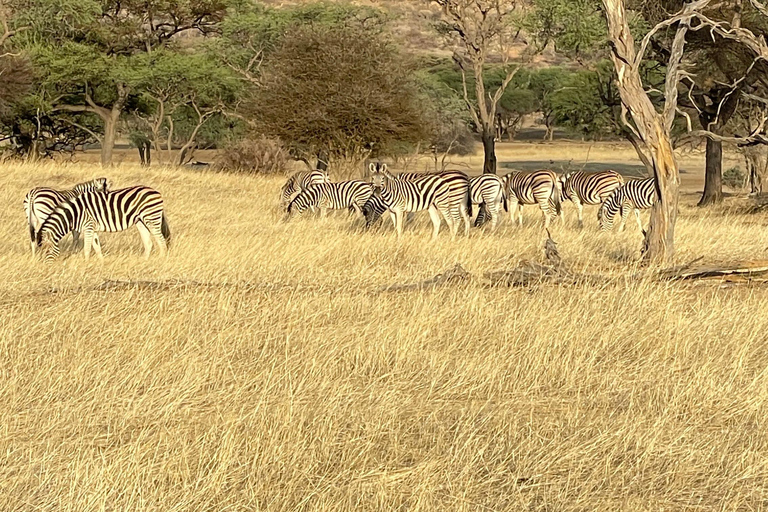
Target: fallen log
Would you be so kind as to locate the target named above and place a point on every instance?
(746, 269)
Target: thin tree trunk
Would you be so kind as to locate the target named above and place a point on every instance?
(108, 141)
(322, 160)
(713, 179)
(489, 153)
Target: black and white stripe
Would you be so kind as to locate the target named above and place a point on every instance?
(590, 188)
(537, 187)
(488, 191)
(299, 181)
(633, 195)
(346, 195)
(93, 212)
(41, 201)
(445, 194)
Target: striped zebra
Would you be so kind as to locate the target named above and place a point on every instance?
(346, 195)
(116, 210)
(633, 195)
(537, 187)
(41, 201)
(373, 210)
(488, 191)
(589, 188)
(299, 181)
(446, 194)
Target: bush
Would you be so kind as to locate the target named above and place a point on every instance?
(735, 178)
(254, 156)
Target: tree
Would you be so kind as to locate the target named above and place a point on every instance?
(87, 52)
(480, 27)
(653, 128)
(182, 93)
(337, 90)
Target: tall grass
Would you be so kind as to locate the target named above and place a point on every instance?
(260, 367)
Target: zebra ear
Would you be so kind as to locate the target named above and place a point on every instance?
(384, 168)
(372, 168)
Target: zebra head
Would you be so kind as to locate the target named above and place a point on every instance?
(605, 216)
(379, 177)
(48, 248)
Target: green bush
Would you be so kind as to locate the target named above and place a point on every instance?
(735, 178)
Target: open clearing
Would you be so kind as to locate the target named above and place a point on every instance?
(260, 367)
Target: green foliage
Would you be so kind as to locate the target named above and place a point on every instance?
(446, 117)
(575, 27)
(735, 178)
(335, 89)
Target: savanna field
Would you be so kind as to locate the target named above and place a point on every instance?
(263, 365)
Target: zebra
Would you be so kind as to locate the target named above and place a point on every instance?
(635, 194)
(373, 210)
(350, 195)
(41, 201)
(488, 191)
(537, 187)
(589, 188)
(116, 210)
(299, 181)
(446, 194)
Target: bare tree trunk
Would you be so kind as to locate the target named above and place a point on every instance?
(489, 153)
(651, 128)
(713, 178)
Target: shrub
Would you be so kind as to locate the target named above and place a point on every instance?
(735, 178)
(254, 156)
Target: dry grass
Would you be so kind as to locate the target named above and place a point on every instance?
(267, 374)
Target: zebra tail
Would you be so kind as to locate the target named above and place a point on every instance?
(555, 197)
(31, 220)
(504, 199)
(166, 230)
(469, 202)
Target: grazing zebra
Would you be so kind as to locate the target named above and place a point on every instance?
(373, 209)
(537, 187)
(589, 188)
(40, 202)
(345, 195)
(299, 181)
(446, 194)
(116, 210)
(488, 191)
(634, 194)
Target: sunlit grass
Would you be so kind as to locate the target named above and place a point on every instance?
(259, 367)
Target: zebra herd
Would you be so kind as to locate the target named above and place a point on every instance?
(451, 196)
(89, 208)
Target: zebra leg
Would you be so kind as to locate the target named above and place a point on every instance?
(639, 222)
(579, 209)
(393, 216)
(465, 217)
(97, 246)
(434, 214)
(624, 215)
(398, 220)
(88, 235)
(495, 211)
(146, 237)
(156, 229)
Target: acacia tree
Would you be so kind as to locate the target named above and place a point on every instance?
(479, 29)
(336, 90)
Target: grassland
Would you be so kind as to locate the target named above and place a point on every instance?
(260, 367)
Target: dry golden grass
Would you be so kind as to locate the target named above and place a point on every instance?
(267, 373)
